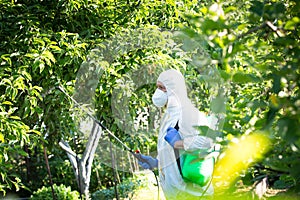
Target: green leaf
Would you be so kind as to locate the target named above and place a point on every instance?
(291, 24)
(6, 57)
(226, 76)
(7, 103)
(39, 42)
(13, 93)
(48, 57)
(256, 104)
(5, 156)
(27, 75)
(203, 129)
(2, 137)
(276, 84)
(26, 111)
(218, 105)
(209, 25)
(15, 117)
(56, 49)
(257, 8)
(240, 77)
(19, 83)
(41, 66)
(6, 81)
(288, 129)
(34, 131)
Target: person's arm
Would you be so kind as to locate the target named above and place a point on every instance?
(190, 143)
(196, 142)
(147, 162)
(205, 143)
(191, 139)
(179, 144)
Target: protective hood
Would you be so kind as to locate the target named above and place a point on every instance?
(175, 84)
(178, 101)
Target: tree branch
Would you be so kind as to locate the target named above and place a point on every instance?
(274, 28)
(263, 25)
(65, 146)
(252, 30)
(72, 157)
(92, 142)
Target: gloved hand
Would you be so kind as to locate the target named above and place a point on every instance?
(147, 162)
(172, 136)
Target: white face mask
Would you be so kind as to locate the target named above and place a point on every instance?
(159, 98)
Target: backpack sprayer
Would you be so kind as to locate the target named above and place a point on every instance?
(136, 154)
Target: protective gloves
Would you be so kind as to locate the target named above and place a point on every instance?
(172, 136)
(147, 162)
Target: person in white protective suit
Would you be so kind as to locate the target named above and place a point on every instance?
(172, 92)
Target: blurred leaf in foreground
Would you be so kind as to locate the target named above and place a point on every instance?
(238, 156)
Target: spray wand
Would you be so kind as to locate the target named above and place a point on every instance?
(136, 153)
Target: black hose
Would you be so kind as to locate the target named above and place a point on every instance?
(157, 183)
(114, 172)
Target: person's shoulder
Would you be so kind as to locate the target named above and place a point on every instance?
(202, 114)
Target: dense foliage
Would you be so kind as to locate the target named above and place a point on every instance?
(253, 44)
(59, 192)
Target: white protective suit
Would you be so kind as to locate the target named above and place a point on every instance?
(179, 109)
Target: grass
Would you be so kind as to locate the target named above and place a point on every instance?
(149, 191)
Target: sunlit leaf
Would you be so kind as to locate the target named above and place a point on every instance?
(7, 103)
(291, 24)
(239, 155)
(2, 138)
(15, 117)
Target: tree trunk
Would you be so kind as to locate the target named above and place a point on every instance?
(83, 166)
